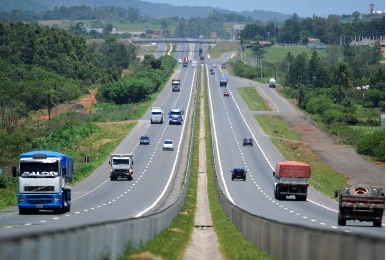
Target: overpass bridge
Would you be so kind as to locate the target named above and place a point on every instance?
(139, 41)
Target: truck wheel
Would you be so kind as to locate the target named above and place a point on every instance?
(377, 223)
(341, 221)
(360, 189)
(279, 197)
(23, 211)
(111, 178)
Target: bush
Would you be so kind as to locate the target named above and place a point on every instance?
(372, 144)
(7, 181)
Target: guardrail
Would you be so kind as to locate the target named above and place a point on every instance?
(139, 41)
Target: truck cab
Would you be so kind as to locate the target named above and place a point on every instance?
(121, 166)
(272, 83)
(175, 85)
(156, 115)
(44, 182)
(176, 116)
(223, 82)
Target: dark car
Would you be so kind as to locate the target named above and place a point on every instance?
(247, 141)
(212, 72)
(144, 140)
(239, 173)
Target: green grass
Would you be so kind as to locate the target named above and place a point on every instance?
(223, 46)
(324, 178)
(253, 99)
(276, 54)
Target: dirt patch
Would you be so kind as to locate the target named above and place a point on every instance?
(343, 158)
(146, 256)
(83, 106)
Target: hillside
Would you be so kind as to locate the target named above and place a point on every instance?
(152, 10)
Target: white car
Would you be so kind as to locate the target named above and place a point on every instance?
(168, 145)
(179, 60)
(214, 65)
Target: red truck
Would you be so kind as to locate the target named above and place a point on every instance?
(291, 179)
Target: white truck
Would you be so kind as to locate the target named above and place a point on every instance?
(156, 115)
(121, 166)
(176, 85)
(272, 83)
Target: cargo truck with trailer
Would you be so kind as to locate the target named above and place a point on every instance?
(44, 182)
(291, 179)
(121, 166)
(360, 202)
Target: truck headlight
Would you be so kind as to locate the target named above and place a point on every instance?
(21, 199)
(56, 198)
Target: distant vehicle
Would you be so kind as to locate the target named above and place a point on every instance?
(239, 173)
(291, 178)
(223, 65)
(214, 65)
(179, 60)
(156, 115)
(193, 64)
(226, 94)
(223, 82)
(185, 62)
(144, 140)
(212, 72)
(176, 116)
(121, 166)
(168, 145)
(247, 141)
(272, 83)
(175, 85)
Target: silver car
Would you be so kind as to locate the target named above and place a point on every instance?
(168, 145)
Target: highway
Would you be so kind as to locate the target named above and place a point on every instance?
(98, 199)
(158, 172)
(231, 122)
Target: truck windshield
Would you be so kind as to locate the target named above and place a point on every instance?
(156, 113)
(35, 169)
(121, 161)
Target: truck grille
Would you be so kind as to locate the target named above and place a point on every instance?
(39, 199)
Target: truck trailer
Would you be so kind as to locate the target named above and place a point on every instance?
(291, 179)
(121, 166)
(360, 202)
(44, 182)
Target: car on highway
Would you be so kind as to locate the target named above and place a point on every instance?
(168, 145)
(226, 94)
(239, 173)
(144, 140)
(212, 72)
(214, 65)
(247, 141)
(179, 60)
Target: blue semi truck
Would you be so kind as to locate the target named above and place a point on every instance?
(44, 182)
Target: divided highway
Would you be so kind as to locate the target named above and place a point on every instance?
(97, 199)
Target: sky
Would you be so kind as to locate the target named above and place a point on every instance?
(304, 8)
